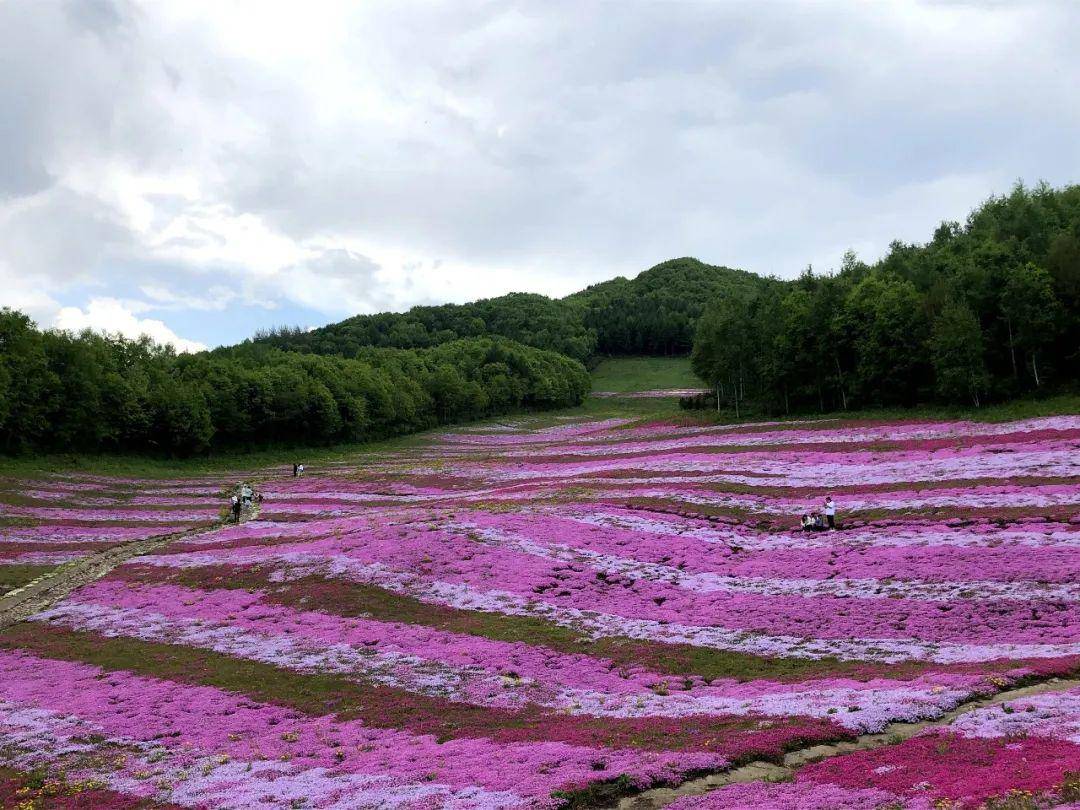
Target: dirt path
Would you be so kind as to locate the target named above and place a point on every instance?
(17, 605)
(771, 771)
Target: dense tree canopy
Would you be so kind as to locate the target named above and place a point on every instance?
(534, 320)
(990, 309)
(653, 313)
(60, 391)
(657, 311)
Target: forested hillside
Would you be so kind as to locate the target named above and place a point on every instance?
(534, 320)
(654, 313)
(61, 392)
(986, 310)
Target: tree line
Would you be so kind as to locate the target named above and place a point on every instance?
(90, 392)
(656, 312)
(534, 320)
(986, 310)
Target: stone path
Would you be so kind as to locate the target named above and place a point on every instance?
(771, 771)
(43, 592)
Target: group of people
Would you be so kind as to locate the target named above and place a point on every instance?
(245, 496)
(819, 521)
(243, 499)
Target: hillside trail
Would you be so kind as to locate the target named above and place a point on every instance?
(45, 591)
(893, 734)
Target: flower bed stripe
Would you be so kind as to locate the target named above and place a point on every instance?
(389, 603)
(385, 707)
(483, 671)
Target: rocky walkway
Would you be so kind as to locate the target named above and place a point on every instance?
(43, 592)
(776, 772)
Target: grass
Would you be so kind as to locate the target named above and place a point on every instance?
(623, 374)
(15, 576)
(240, 461)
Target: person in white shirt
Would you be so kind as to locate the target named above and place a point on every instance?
(830, 512)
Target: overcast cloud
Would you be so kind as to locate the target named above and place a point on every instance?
(197, 170)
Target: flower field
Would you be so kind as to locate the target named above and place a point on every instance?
(540, 617)
(51, 521)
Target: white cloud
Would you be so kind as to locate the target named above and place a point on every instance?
(355, 157)
(113, 316)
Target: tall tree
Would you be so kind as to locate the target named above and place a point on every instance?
(957, 351)
(1031, 312)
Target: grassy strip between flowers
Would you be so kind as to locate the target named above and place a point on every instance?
(37, 790)
(358, 599)
(739, 739)
(15, 576)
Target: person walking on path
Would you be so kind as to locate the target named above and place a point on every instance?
(236, 509)
(300, 471)
(830, 512)
(245, 494)
(295, 470)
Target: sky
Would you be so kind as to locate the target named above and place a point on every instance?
(200, 170)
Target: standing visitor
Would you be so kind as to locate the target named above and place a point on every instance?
(245, 494)
(295, 469)
(830, 512)
(236, 509)
(300, 471)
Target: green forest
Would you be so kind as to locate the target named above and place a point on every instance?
(90, 392)
(654, 313)
(985, 311)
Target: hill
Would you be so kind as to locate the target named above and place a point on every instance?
(534, 320)
(653, 313)
(657, 311)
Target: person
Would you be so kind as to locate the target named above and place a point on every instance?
(236, 509)
(258, 498)
(807, 522)
(830, 512)
(245, 494)
(300, 471)
(295, 470)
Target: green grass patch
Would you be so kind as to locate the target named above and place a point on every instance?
(624, 374)
(15, 576)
